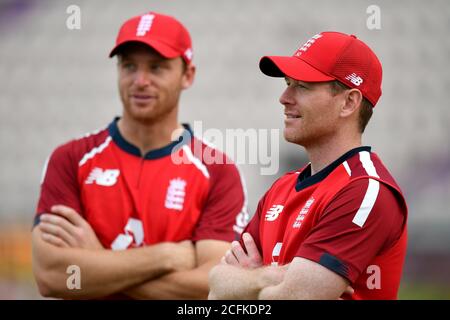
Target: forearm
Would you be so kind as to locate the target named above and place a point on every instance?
(306, 280)
(229, 282)
(102, 272)
(191, 284)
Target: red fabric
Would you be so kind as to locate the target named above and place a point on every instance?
(163, 33)
(316, 223)
(327, 56)
(113, 189)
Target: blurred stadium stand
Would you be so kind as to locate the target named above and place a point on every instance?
(57, 84)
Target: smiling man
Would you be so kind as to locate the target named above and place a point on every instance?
(341, 219)
(114, 203)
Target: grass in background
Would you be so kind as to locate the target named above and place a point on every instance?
(424, 291)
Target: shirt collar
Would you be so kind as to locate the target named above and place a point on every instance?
(123, 144)
(305, 179)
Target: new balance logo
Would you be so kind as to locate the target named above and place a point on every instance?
(273, 213)
(355, 79)
(188, 53)
(107, 177)
(144, 25)
(307, 45)
(175, 194)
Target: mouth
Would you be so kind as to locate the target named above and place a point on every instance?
(142, 98)
(290, 115)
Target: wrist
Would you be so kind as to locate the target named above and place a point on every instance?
(270, 276)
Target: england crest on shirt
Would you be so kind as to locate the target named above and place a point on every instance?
(175, 194)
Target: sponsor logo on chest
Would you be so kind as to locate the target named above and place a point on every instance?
(302, 214)
(103, 177)
(273, 213)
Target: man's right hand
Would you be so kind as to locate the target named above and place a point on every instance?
(238, 257)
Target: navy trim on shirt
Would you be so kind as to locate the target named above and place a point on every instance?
(37, 220)
(305, 179)
(123, 144)
(334, 264)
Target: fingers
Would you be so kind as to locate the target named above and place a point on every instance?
(231, 259)
(66, 224)
(349, 290)
(239, 253)
(49, 238)
(69, 214)
(56, 231)
(250, 245)
(59, 221)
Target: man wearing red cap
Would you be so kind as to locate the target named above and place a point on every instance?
(165, 223)
(341, 219)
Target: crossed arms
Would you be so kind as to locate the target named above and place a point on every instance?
(162, 271)
(241, 275)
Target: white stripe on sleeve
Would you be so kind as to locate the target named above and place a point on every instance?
(367, 204)
(372, 190)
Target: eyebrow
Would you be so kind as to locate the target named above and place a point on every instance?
(296, 81)
(150, 59)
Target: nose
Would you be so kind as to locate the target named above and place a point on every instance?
(142, 79)
(286, 97)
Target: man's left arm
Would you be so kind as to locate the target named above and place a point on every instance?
(242, 276)
(306, 280)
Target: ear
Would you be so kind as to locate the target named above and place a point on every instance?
(188, 76)
(352, 102)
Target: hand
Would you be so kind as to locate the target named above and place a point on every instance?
(64, 227)
(236, 256)
(348, 291)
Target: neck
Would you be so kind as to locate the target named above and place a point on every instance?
(322, 155)
(148, 136)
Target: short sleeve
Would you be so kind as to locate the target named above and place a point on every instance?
(60, 184)
(224, 215)
(354, 229)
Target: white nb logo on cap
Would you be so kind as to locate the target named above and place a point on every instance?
(355, 79)
(144, 25)
(188, 53)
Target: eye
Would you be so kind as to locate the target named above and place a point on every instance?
(129, 66)
(156, 67)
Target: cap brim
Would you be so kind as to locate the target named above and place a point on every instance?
(295, 68)
(163, 49)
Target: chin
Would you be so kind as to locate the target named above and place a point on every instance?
(293, 137)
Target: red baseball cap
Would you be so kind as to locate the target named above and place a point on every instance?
(163, 33)
(329, 56)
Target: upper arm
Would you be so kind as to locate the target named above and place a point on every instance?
(307, 280)
(345, 247)
(60, 181)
